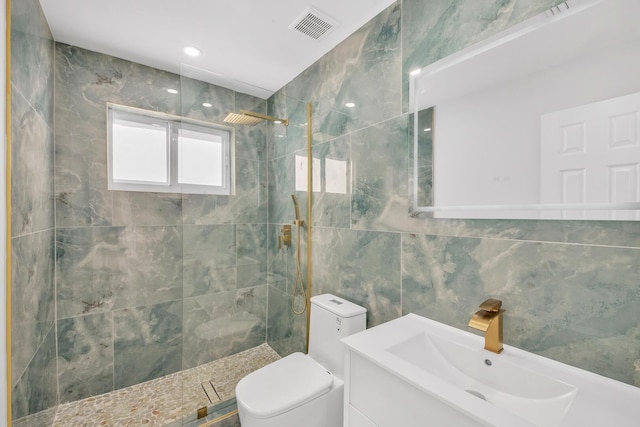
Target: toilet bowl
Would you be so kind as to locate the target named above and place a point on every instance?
(304, 390)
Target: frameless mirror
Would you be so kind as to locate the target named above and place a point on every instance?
(541, 121)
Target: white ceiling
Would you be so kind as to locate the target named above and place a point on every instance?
(246, 44)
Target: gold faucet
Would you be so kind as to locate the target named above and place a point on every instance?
(489, 320)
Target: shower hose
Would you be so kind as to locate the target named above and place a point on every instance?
(298, 281)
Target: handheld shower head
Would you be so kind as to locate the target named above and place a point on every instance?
(296, 207)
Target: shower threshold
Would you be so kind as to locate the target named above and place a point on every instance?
(173, 400)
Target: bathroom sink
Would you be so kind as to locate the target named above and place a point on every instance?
(535, 397)
(514, 388)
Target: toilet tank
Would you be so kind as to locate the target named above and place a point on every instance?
(333, 318)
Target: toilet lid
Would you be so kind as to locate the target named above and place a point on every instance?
(283, 385)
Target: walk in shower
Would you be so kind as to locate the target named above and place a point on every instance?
(148, 303)
(118, 294)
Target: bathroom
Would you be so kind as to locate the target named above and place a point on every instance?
(88, 315)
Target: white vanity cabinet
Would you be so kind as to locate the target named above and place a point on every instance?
(414, 371)
(375, 397)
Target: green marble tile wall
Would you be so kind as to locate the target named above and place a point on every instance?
(33, 352)
(571, 288)
(150, 283)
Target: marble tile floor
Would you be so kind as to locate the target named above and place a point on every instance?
(160, 402)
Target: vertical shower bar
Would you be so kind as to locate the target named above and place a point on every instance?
(8, 209)
(309, 194)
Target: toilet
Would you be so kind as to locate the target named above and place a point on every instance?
(304, 390)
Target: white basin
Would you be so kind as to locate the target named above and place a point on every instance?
(514, 388)
(535, 397)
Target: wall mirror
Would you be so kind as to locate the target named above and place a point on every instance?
(541, 121)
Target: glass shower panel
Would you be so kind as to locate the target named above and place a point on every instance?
(237, 281)
(226, 253)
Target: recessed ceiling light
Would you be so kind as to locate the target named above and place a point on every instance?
(172, 91)
(350, 105)
(415, 72)
(192, 51)
(207, 104)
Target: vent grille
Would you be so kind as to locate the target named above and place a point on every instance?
(313, 23)
(559, 8)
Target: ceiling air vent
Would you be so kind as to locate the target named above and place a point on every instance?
(313, 23)
(559, 8)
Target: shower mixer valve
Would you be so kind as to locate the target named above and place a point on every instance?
(285, 237)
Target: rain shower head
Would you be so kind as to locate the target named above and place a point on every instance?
(242, 119)
(252, 118)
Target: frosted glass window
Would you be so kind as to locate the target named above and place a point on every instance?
(140, 152)
(201, 158)
(155, 152)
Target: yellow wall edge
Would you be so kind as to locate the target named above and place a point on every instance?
(8, 202)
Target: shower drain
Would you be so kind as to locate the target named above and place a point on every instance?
(211, 392)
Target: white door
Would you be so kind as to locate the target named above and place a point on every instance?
(591, 154)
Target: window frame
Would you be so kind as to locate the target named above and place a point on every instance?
(173, 125)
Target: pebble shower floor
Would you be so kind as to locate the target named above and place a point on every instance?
(168, 401)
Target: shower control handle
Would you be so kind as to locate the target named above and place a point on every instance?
(285, 237)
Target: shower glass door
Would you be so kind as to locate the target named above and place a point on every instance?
(236, 281)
